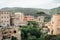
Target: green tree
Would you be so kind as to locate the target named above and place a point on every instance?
(31, 32)
(41, 14)
(33, 23)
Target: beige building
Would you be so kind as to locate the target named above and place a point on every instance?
(54, 24)
(11, 19)
(40, 20)
(17, 19)
(4, 18)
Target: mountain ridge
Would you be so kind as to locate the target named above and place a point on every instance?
(32, 11)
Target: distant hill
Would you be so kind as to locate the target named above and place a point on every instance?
(32, 11)
(26, 11)
(55, 10)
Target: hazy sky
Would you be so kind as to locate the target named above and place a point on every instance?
(46, 4)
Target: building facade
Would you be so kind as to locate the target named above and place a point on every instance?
(4, 18)
(11, 19)
(40, 20)
(8, 32)
(54, 25)
(55, 22)
(17, 19)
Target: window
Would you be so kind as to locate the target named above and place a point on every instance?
(52, 31)
(5, 20)
(39, 19)
(52, 22)
(48, 30)
(5, 32)
(10, 32)
(4, 12)
(2, 16)
(14, 31)
(8, 25)
(3, 23)
(59, 29)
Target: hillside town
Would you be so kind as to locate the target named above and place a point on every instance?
(10, 24)
(29, 19)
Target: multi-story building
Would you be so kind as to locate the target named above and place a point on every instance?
(11, 19)
(54, 24)
(4, 18)
(8, 19)
(17, 19)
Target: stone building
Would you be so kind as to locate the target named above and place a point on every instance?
(7, 33)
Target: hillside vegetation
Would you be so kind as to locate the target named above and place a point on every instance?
(32, 11)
